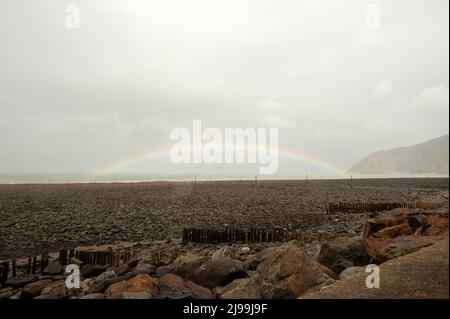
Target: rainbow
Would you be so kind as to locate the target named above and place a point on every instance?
(165, 150)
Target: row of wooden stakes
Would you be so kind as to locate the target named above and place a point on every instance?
(37, 264)
(227, 235)
(355, 208)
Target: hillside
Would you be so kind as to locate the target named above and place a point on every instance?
(428, 157)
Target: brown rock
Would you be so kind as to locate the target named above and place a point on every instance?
(245, 288)
(148, 269)
(199, 292)
(219, 271)
(288, 272)
(404, 245)
(140, 283)
(374, 246)
(34, 289)
(334, 252)
(438, 225)
(19, 282)
(53, 268)
(171, 281)
(186, 265)
(420, 275)
(94, 296)
(393, 231)
(174, 287)
(135, 295)
(57, 290)
(388, 219)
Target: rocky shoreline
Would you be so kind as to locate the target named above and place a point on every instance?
(246, 270)
(39, 218)
(147, 221)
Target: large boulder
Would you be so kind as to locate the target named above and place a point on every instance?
(19, 282)
(199, 292)
(144, 268)
(174, 287)
(343, 252)
(219, 272)
(400, 246)
(34, 289)
(288, 272)
(351, 271)
(101, 282)
(53, 268)
(388, 219)
(57, 290)
(183, 266)
(438, 225)
(245, 288)
(139, 283)
(225, 251)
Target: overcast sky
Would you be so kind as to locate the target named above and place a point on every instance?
(338, 88)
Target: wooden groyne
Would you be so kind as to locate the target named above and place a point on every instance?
(252, 235)
(357, 208)
(36, 264)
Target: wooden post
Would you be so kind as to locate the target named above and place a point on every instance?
(33, 266)
(28, 265)
(4, 270)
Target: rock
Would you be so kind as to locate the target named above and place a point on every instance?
(163, 270)
(394, 231)
(53, 268)
(133, 263)
(186, 265)
(2, 290)
(85, 285)
(199, 292)
(387, 219)
(218, 290)
(419, 275)
(403, 245)
(148, 269)
(263, 254)
(174, 287)
(225, 251)
(417, 221)
(219, 271)
(288, 272)
(251, 263)
(19, 282)
(34, 289)
(94, 296)
(374, 246)
(244, 289)
(136, 295)
(139, 283)
(350, 272)
(123, 269)
(170, 281)
(340, 265)
(101, 282)
(57, 290)
(183, 266)
(92, 270)
(351, 249)
(6, 294)
(245, 250)
(438, 225)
